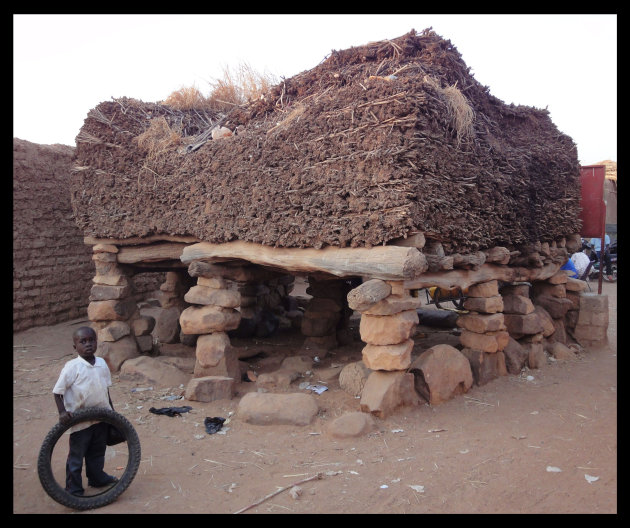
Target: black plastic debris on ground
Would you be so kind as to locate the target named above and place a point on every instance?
(171, 411)
(213, 425)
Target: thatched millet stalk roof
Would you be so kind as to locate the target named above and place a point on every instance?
(376, 142)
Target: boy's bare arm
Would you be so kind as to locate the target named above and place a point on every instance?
(64, 416)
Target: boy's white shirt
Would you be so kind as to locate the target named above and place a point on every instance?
(84, 385)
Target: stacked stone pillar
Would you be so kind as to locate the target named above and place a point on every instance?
(171, 299)
(551, 296)
(484, 334)
(213, 312)
(526, 325)
(388, 324)
(113, 311)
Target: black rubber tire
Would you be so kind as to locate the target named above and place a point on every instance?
(57, 492)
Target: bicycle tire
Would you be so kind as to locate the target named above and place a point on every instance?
(57, 492)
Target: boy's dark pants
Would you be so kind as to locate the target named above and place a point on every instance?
(89, 443)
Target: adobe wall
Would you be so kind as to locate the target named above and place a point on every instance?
(52, 267)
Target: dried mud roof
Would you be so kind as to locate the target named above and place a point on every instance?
(375, 143)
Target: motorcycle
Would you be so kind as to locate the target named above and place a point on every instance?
(594, 272)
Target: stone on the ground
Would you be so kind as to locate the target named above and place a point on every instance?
(266, 408)
(351, 425)
(210, 388)
(353, 376)
(280, 379)
(384, 392)
(515, 356)
(440, 373)
(151, 371)
(115, 353)
(560, 351)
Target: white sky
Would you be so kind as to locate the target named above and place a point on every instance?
(65, 65)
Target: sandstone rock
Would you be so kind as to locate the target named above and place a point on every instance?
(385, 391)
(481, 323)
(353, 376)
(388, 329)
(536, 357)
(278, 379)
(228, 366)
(484, 289)
(515, 356)
(516, 289)
(517, 304)
(556, 306)
(117, 352)
(185, 364)
(351, 425)
(267, 408)
(176, 350)
(484, 304)
(113, 331)
(393, 304)
(167, 325)
(575, 285)
(388, 357)
(367, 294)
(519, 325)
(211, 296)
(143, 325)
(152, 371)
(440, 373)
(487, 342)
(210, 388)
(545, 288)
(110, 278)
(559, 278)
(112, 310)
(104, 292)
(145, 343)
(208, 319)
(561, 352)
(211, 348)
(300, 364)
(218, 283)
(484, 366)
(548, 327)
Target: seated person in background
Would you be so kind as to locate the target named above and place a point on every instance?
(580, 261)
(570, 266)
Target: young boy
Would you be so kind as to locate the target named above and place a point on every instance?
(84, 382)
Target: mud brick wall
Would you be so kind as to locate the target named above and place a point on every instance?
(52, 267)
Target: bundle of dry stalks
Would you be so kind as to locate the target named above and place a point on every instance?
(460, 112)
(159, 137)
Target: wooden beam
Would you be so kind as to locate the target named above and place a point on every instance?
(135, 241)
(466, 278)
(150, 253)
(379, 262)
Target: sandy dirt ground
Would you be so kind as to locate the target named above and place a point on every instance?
(547, 444)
